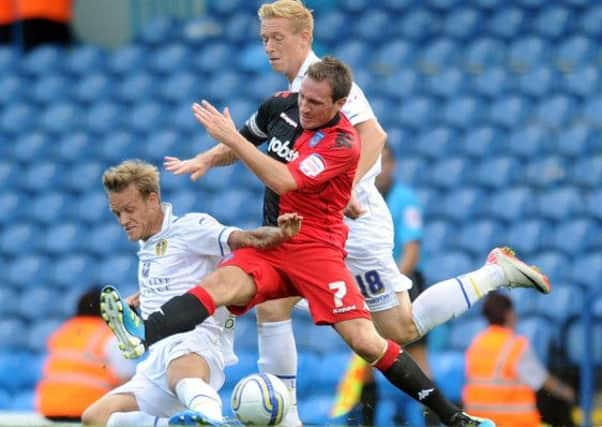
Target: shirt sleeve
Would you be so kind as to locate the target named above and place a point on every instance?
(255, 128)
(357, 108)
(530, 370)
(204, 235)
(333, 156)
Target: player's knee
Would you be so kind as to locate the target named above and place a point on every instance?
(275, 310)
(94, 415)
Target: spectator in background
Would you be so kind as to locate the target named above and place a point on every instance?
(84, 363)
(503, 373)
(36, 22)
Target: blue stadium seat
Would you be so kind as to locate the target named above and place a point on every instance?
(50, 88)
(483, 141)
(564, 302)
(529, 142)
(330, 371)
(403, 84)
(170, 58)
(524, 301)
(12, 89)
(16, 118)
(24, 401)
(13, 206)
(104, 117)
(590, 20)
(42, 60)
(354, 52)
(354, 6)
(539, 81)
(231, 207)
(118, 146)
(135, 86)
(147, 117)
(253, 59)
(118, 270)
(38, 303)
(32, 147)
(463, 331)
(529, 236)
(374, 26)
(583, 81)
(449, 173)
(492, 82)
(84, 176)
(81, 60)
(592, 111)
(222, 86)
(263, 86)
(156, 32)
(59, 118)
(539, 334)
(331, 27)
(247, 365)
(527, 52)
(560, 203)
(40, 332)
(464, 112)
(575, 343)
(443, 5)
(437, 143)
(108, 238)
(8, 59)
(463, 23)
(308, 363)
(392, 58)
(489, 5)
(73, 271)
(507, 22)
(576, 141)
(439, 54)
(182, 119)
(448, 83)
(445, 265)
(499, 172)
(241, 110)
(9, 297)
(418, 112)
(226, 7)
(587, 270)
(587, 172)
(92, 207)
(418, 24)
(554, 264)
(63, 237)
(464, 204)
(93, 88)
(6, 400)
(216, 56)
(190, 200)
(411, 170)
(438, 236)
(594, 204)
(484, 53)
(316, 408)
(321, 339)
(447, 368)
(512, 204)
(574, 52)
(50, 207)
(554, 22)
(556, 112)
(20, 238)
(127, 59)
(27, 270)
(246, 333)
(509, 111)
(242, 27)
(164, 142)
(218, 179)
(17, 368)
(479, 237)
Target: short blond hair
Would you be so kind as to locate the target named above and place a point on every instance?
(295, 11)
(137, 172)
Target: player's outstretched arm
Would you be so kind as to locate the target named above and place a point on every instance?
(197, 166)
(289, 225)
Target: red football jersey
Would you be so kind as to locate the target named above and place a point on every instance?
(324, 171)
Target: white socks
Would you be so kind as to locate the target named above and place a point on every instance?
(199, 396)
(135, 418)
(449, 299)
(278, 356)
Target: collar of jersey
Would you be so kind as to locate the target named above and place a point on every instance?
(296, 84)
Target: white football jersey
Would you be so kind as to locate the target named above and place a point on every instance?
(176, 258)
(375, 226)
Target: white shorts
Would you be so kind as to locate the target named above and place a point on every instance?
(149, 384)
(379, 280)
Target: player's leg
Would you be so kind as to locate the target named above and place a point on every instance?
(99, 412)
(277, 348)
(401, 370)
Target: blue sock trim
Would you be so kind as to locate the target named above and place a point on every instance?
(156, 422)
(463, 292)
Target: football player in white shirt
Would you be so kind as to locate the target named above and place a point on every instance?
(287, 34)
(181, 375)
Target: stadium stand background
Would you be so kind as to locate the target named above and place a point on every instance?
(493, 107)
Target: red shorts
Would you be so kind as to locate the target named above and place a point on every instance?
(315, 272)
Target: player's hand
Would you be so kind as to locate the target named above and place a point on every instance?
(353, 209)
(133, 300)
(219, 125)
(196, 166)
(290, 224)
